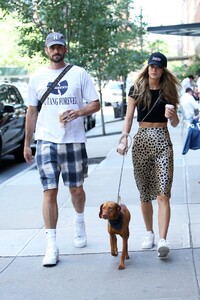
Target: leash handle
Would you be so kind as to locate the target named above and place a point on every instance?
(129, 142)
(120, 178)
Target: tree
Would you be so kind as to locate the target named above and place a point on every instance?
(13, 54)
(159, 45)
(103, 36)
(94, 29)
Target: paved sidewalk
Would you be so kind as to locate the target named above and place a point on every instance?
(91, 273)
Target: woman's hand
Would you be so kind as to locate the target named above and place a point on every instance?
(174, 120)
(171, 114)
(122, 148)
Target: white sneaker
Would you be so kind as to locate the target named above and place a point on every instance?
(51, 257)
(163, 248)
(80, 238)
(148, 242)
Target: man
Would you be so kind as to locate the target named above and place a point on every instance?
(187, 82)
(60, 143)
(189, 106)
(198, 84)
(196, 93)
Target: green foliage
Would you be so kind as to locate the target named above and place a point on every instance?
(104, 36)
(14, 53)
(194, 66)
(159, 45)
(189, 67)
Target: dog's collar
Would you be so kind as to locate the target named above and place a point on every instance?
(117, 224)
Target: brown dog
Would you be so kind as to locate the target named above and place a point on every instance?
(118, 217)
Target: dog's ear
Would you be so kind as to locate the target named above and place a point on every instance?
(118, 208)
(100, 212)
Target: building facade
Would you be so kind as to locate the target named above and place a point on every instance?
(190, 14)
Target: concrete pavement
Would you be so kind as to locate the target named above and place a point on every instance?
(91, 273)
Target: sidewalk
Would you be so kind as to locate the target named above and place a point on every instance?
(91, 273)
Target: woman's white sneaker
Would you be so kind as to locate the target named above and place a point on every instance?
(163, 248)
(148, 242)
(51, 257)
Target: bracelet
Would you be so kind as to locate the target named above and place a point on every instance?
(127, 136)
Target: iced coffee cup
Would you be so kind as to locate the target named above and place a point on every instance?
(167, 107)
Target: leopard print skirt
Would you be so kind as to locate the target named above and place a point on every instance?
(152, 155)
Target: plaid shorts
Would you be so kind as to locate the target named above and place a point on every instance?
(68, 159)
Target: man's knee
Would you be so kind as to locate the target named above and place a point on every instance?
(77, 191)
(50, 194)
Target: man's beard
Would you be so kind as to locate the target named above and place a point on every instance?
(57, 58)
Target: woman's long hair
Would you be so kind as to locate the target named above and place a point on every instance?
(169, 88)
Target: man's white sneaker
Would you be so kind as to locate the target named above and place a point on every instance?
(80, 238)
(51, 257)
(148, 242)
(163, 248)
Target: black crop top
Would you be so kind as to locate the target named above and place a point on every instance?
(157, 115)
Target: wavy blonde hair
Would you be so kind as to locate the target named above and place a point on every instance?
(169, 88)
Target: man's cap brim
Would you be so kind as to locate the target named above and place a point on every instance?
(55, 43)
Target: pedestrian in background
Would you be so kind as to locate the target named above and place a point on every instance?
(152, 151)
(189, 106)
(198, 84)
(187, 82)
(196, 93)
(60, 142)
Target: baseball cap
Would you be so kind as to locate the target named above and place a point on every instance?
(55, 38)
(158, 59)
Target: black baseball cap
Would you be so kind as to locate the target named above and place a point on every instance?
(158, 59)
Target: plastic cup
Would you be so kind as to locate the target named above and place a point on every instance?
(170, 106)
(62, 125)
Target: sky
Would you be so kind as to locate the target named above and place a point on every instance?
(160, 12)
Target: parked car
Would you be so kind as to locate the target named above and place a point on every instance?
(112, 96)
(12, 121)
(89, 121)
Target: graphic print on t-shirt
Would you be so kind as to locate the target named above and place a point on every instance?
(60, 88)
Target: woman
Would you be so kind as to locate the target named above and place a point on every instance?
(152, 151)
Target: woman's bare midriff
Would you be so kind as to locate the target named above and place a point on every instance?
(152, 125)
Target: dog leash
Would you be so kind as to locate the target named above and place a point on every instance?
(122, 167)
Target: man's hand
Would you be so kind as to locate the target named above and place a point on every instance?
(28, 154)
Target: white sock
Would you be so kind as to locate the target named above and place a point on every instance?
(150, 232)
(51, 237)
(79, 217)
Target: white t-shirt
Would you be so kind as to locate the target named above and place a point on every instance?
(186, 83)
(69, 93)
(188, 105)
(198, 84)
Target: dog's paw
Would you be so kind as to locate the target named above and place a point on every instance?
(114, 252)
(121, 267)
